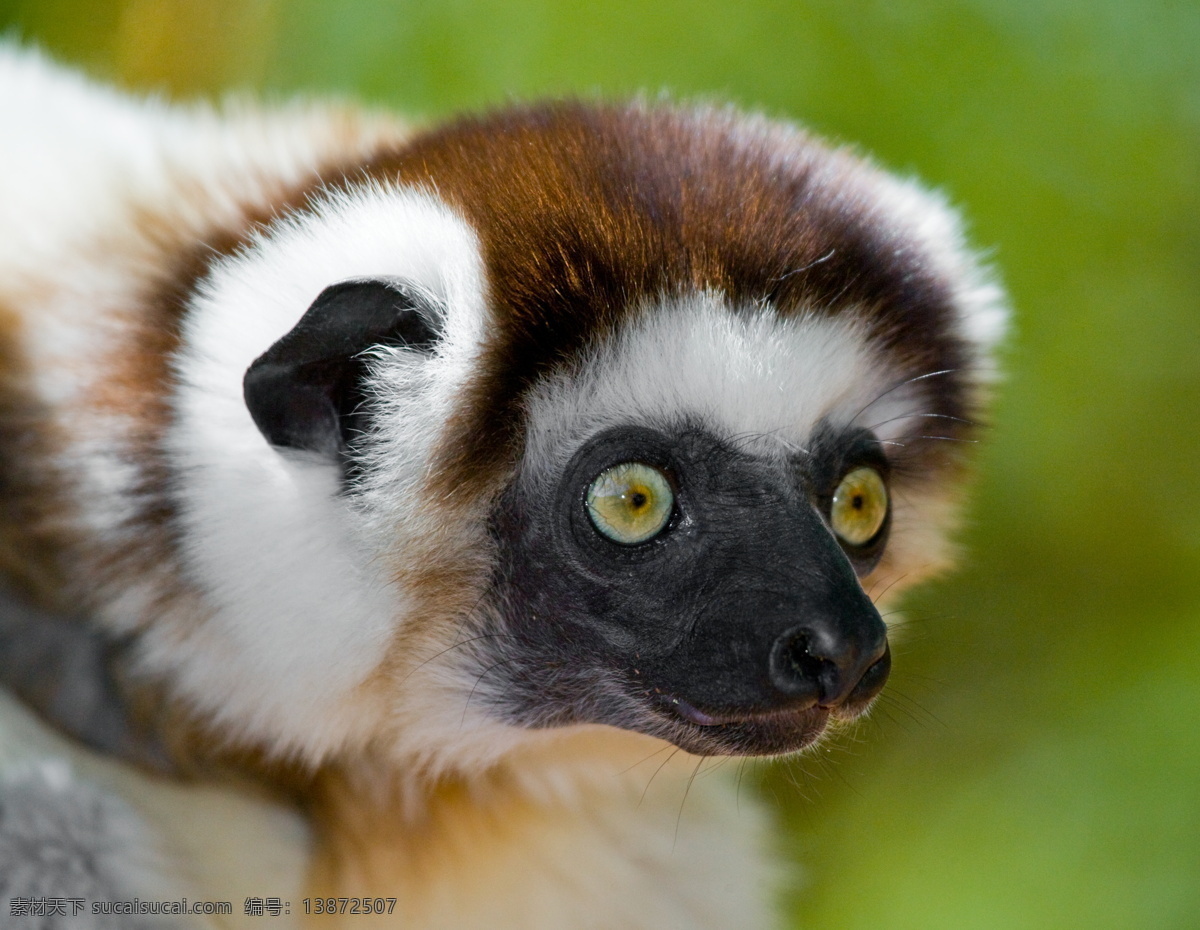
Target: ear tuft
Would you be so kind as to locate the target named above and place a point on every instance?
(305, 391)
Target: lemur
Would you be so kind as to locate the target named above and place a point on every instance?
(406, 515)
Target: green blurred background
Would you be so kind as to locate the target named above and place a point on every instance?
(1036, 761)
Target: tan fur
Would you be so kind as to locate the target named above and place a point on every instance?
(494, 851)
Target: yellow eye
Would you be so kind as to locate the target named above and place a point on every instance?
(630, 503)
(860, 505)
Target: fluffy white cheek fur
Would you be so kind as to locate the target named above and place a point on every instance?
(299, 615)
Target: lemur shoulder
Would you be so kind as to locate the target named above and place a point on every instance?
(445, 485)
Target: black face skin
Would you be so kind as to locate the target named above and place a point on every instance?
(738, 629)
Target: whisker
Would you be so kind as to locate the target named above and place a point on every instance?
(824, 258)
(737, 797)
(809, 784)
(827, 766)
(468, 614)
(716, 766)
(442, 652)
(896, 387)
(891, 698)
(917, 706)
(655, 775)
(476, 686)
(742, 439)
(875, 598)
(679, 816)
(922, 416)
(647, 759)
(886, 711)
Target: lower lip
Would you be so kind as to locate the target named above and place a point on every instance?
(771, 733)
(692, 715)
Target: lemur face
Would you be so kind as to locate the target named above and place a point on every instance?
(629, 412)
(675, 581)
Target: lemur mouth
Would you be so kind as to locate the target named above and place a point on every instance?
(767, 733)
(755, 733)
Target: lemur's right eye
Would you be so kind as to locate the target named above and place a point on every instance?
(860, 505)
(630, 503)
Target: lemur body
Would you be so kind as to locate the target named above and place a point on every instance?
(318, 422)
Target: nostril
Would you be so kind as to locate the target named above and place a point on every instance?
(873, 679)
(802, 662)
(813, 664)
(795, 671)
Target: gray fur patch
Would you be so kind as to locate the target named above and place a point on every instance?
(64, 669)
(61, 838)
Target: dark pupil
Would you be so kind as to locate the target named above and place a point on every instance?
(638, 500)
(857, 502)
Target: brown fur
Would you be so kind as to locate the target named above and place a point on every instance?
(34, 539)
(585, 213)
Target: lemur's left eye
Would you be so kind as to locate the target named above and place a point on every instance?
(630, 503)
(860, 505)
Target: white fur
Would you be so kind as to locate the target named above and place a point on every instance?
(88, 163)
(924, 222)
(754, 378)
(287, 567)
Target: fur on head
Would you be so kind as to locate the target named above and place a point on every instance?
(391, 523)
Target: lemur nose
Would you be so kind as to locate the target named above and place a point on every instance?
(814, 662)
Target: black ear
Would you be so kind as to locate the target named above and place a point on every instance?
(305, 392)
